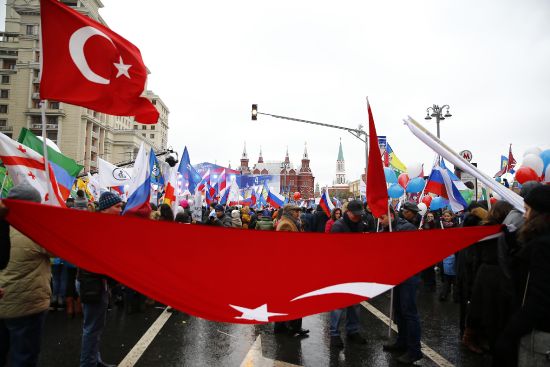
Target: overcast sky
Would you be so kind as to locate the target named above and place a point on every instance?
(318, 60)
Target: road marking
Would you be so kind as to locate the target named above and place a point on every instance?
(428, 352)
(255, 358)
(221, 332)
(137, 351)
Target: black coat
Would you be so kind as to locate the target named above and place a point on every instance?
(344, 225)
(319, 220)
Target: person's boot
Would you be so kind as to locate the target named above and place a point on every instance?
(69, 302)
(469, 341)
(77, 307)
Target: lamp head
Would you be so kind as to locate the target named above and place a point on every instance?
(428, 117)
(254, 112)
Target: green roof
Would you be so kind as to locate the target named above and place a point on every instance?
(340, 152)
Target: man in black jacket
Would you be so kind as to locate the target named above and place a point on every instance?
(404, 303)
(350, 222)
(95, 297)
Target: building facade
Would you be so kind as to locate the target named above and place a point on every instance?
(292, 178)
(80, 133)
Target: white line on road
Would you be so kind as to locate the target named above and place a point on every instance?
(255, 358)
(428, 352)
(140, 347)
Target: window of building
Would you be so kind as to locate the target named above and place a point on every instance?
(37, 56)
(36, 73)
(53, 105)
(5, 79)
(31, 29)
(4, 93)
(152, 136)
(52, 120)
(135, 127)
(143, 127)
(3, 108)
(3, 122)
(152, 128)
(9, 64)
(36, 120)
(143, 135)
(35, 103)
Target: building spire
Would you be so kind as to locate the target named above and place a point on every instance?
(244, 151)
(287, 159)
(340, 152)
(261, 158)
(305, 151)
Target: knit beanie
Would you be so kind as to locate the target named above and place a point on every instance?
(539, 199)
(24, 191)
(527, 187)
(107, 200)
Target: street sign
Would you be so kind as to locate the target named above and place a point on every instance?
(466, 154)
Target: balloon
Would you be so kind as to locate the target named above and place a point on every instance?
(190, 202)
(533, 150)
(498, 179)
(535, 162)
(547, 174)
(390, 175)
(525, 174)
(184, 203)
(438, 203)
(395, 191)
(423, 208)
(493, 200)
(545, 156)
(297, 195)
(414, 170)
(427, 200)
(416, 185)
(403, 180)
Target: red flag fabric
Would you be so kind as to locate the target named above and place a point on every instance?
(377, 192)
(511, 160)
(86, 64)
(234, 275)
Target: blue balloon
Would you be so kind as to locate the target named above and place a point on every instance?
(391, 177)
(395, 191)
(545, 156)
(498, 179)
(438, 203)
(416, 185)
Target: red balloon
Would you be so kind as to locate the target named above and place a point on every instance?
(297, 195)
(493, 200)
(403, 180)
(427, 200)
(525, 174)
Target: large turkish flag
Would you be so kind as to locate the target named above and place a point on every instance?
(86, 64)
(234, 275)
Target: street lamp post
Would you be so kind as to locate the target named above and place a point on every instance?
(359, 133)
(437, 112)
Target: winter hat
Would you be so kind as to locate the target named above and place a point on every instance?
(539, 199)
(411, 206)
(218, 208)
(235, 214)
(24, 191)
(81, 203)
(266, 213)
(527, 187)
(107, 200)
(184, 203)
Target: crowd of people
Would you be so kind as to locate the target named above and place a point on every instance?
(502, 285)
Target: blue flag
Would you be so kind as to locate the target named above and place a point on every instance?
(190, 176)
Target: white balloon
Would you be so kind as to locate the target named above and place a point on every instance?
(533, 150)
(423, 208)
(547, 174)
(190, 202)
(414, 170)
(508, 176)
(535, 162)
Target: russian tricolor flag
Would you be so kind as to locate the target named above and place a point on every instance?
(140, 187)
(275, 200)
(326, 204)
(204, 180)
(441, 183)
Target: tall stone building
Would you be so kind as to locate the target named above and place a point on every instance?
(291, 178)
(340, 185)
(80, 133)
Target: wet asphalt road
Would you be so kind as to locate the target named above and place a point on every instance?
(188, 341)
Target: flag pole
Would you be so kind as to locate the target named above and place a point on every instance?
(45, 145)
(391, 292)
(3, 183)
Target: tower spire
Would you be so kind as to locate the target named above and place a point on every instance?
(305, 151)
(244, 151)
(261, 158)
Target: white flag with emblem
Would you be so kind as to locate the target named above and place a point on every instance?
(111, 175)
(24, 164)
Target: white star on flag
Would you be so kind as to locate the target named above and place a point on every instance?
(122, 68)
(257, 314)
